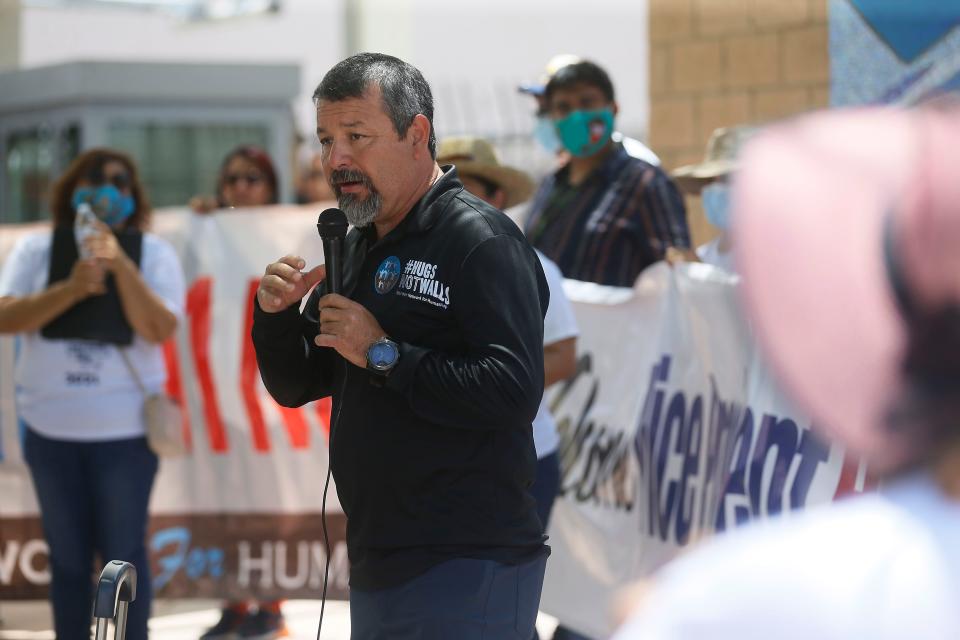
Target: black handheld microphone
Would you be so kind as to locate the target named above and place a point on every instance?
(332, 225)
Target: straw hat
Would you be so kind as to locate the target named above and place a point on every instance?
(475, 156)
(848, 242)
(720, 159)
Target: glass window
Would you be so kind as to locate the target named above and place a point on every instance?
(28, 168)
(178, 161)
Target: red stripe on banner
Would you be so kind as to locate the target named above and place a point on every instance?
(297, 427)
(175, 387)
(250, 377)
(324, 407)
(198, 310)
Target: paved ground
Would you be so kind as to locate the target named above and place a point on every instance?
(186, 620)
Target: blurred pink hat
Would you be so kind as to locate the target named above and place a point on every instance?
(816, 200)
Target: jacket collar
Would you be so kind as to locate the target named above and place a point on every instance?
(433, 203)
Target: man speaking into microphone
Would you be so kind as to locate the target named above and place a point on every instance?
(433, 353)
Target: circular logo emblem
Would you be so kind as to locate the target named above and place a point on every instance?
(387, 276)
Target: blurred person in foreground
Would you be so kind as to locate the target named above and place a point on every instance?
(247, 178)
(604, 216)
(544, 131)
(850, 275)
(81, 312)
(711, 180)
(482, 175)
(433, 355)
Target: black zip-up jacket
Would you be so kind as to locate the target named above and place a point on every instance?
(434, 462)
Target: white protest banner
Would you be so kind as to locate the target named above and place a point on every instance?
(240, 514)
(671, 430)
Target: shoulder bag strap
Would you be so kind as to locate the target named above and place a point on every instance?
(133, 370)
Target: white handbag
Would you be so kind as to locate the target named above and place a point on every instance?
(163, 417)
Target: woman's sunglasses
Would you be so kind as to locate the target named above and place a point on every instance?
(250, 178)
(120, 180)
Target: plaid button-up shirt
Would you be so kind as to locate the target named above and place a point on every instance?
(618, 221)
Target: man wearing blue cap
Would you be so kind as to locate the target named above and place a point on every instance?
(544, 131)
(604, 216)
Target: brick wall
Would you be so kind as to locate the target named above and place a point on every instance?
(715, 63)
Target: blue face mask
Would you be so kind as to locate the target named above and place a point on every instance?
(546, 134)
(716, 204)
(583, 133)
(107, 202)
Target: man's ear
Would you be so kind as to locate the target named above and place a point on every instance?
(419, 134)
(616, 108)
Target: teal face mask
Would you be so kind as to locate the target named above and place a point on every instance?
(107, 202)
(583, 133)
(545, 133)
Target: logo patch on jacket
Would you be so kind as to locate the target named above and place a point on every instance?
(419, 282)
(387, 276)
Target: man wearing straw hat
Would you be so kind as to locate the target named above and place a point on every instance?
(710, 180)
(502, 186)
(481, 172)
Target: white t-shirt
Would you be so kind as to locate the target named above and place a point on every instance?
(79, 389)
(878, 566)
(558, 324)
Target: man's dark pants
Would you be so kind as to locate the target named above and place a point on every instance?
(463, 598)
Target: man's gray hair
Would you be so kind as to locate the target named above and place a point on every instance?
(405, 92)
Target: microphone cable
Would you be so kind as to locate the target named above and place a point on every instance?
(326, 539)
(323, 505)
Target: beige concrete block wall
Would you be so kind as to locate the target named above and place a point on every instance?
(716, 63)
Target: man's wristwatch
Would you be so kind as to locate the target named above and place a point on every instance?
(382, 356)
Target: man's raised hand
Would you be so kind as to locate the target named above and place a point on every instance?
(283, 283)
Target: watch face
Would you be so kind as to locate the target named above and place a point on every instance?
(382, 355)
